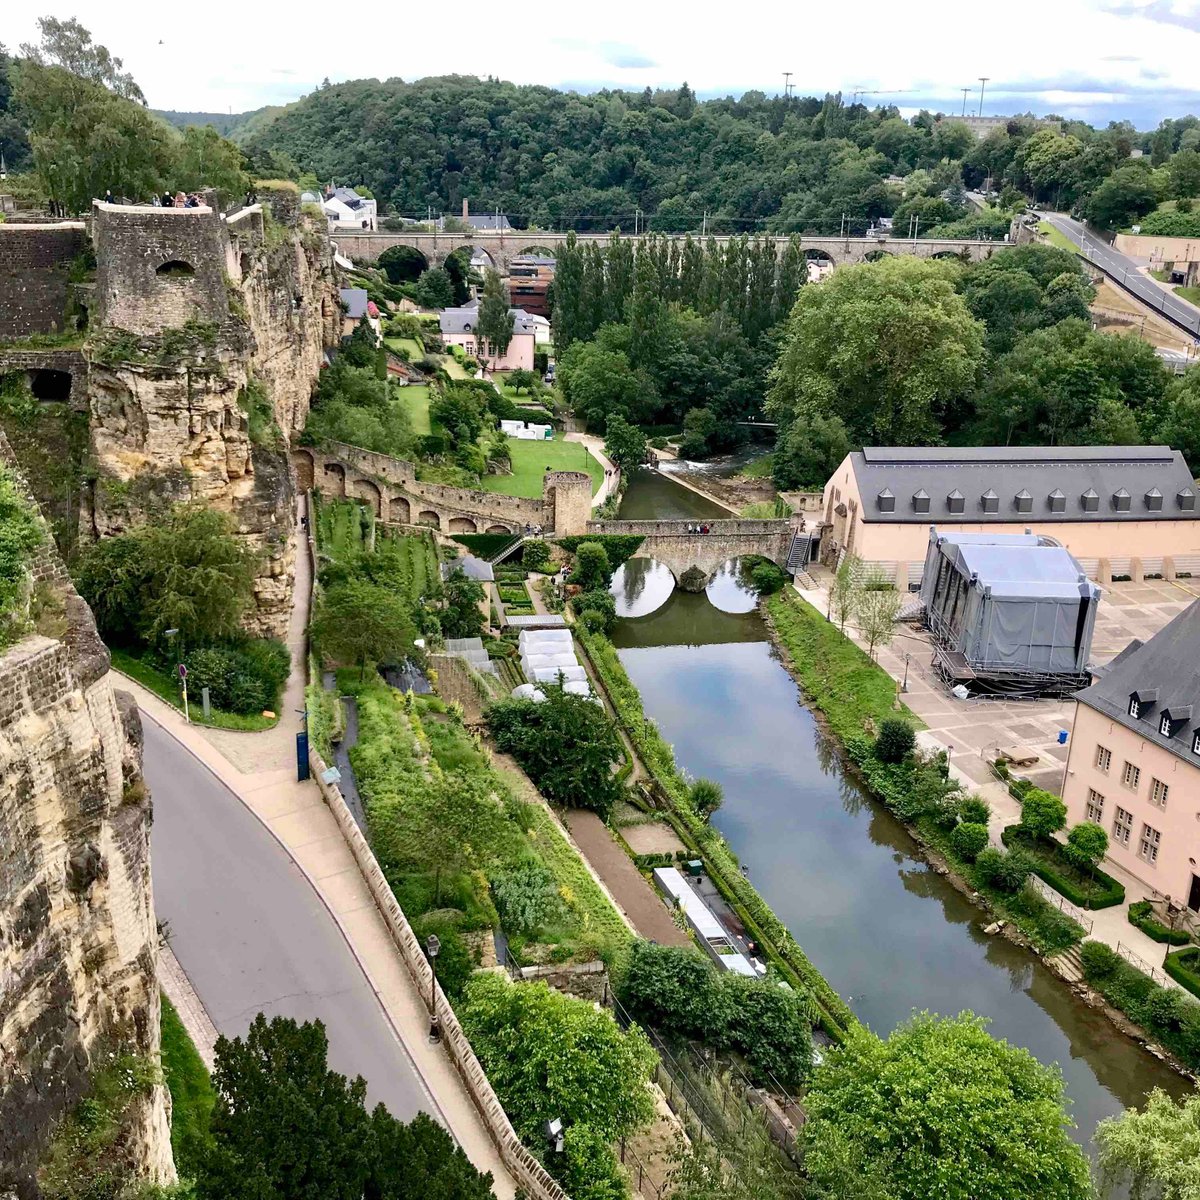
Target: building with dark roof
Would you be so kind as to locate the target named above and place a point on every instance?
(1120, 510)
(1134, 762)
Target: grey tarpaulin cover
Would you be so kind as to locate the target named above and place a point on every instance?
(1009, 602)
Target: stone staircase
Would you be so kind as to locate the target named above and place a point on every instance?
(1070, 965)
(797, 555)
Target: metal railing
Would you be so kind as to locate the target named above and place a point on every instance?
(1061, 902)
(1134, 959)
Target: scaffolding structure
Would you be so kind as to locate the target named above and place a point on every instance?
(1009, 614)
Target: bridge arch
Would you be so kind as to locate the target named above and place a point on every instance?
(876, 255)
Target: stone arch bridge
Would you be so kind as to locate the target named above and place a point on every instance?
(501, 248)
(679, 548)
(391, 488)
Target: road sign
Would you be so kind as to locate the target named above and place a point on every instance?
(182, 671)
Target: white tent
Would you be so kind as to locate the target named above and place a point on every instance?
(544, 637)
(538, 662)
(526, 691)
(574, 674)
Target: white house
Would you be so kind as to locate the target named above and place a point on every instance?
(346, 209)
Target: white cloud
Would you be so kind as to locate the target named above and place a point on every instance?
(1068, 54)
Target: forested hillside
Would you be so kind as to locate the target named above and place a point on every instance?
(553, 158)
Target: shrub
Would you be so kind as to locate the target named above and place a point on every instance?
(767, 579)
(243, 678)
(597, 601)
(1183, 966)
(526, 897)
(1141, 915)
(895, 741)
(988, 865)
(593, 621)
(1049, 860)
(706, 797)
(968, 839)
(535, 554)
(455, 963)
(1006, 872)
(974, 810)
(591, 566)
(1042, 814)
(1099, 960)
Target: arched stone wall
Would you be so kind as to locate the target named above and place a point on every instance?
(399, 510)
(462, 525)
(364, 489)
(428, 517)
(497, 529)
(334, 478)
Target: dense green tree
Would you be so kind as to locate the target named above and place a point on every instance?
(495, 320)
(888, 347)
(461, 615)
(549, 1055)
(1180, 423)
(286, 1127)
(68, 45)
(624, 444)
(535, 734)
(1154, 1153)
(940, 1107)
(435, 288)
(1185, 174)
(1087, 844)
(807, 452)
(592, 569)
(1043, 814)
(359, 622)
(1128, 193)
(208, 160)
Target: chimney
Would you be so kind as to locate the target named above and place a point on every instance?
(466, 209)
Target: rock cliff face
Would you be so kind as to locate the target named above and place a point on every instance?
(78, 938)
(205, 410)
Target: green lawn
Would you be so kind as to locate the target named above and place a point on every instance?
(191, 1093)
(416, 400)
(1055, 238)
(1190, 294)
(416, 352)
(759, 468)
(454, 368)
(342, 526)
(529, 463)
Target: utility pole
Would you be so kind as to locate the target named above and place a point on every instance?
(964, 92)
(982, 84)
(787, 85)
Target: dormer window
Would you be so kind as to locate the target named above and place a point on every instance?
(1135, 707)
(1164, 726)
(1023, 501)
(886, 500)
(920, 501)
(989, 501)
(1057, 501)
(1196, 742)
(1154, 500)
(1121, 500)
(1090, 500)
(1186, 499)
(956, 502)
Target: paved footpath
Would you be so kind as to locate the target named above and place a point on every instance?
(636, 898)
(268, 910)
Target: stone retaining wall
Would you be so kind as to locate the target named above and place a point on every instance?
(35, 262)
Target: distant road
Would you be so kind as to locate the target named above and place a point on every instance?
(1126, 272)
(252, 934)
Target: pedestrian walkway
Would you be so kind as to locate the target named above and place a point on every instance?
(595, 447)
(260, 769)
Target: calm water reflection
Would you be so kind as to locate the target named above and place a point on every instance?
(888, 932)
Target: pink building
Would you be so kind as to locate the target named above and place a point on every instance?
(458, 326)
(1134, 762)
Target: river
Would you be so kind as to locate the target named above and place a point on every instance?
(888, 932)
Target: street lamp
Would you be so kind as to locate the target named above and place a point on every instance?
(904, 685)
(432, 946)
(555, 1140)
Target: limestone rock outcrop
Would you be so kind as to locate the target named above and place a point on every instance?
(78, 937)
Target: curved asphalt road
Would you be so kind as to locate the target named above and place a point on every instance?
(252, 934)
(1126, 272)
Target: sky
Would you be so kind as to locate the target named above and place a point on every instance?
(1098, 60)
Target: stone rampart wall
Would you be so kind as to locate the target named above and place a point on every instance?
(35, 262)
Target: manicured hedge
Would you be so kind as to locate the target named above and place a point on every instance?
(1183, 966)
(484, 545)
(1142, 916)
(1110, 891)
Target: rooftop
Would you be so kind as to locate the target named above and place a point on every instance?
(1163, 675)
(1006, 484)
